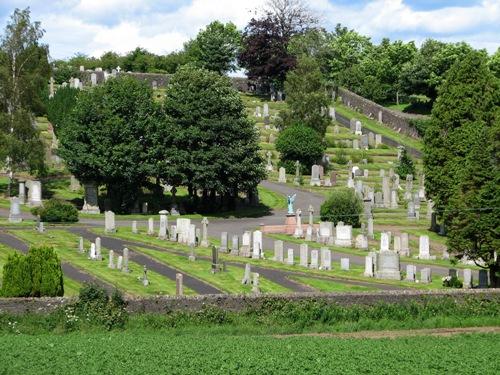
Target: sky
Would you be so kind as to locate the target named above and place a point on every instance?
(95, 26)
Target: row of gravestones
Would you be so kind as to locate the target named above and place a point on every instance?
(34, 199)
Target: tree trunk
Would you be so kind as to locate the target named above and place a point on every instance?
(494, 276)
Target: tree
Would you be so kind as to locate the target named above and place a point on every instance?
(60, 106)
(24, 73)
(210, 144)
(215, 48)
(405, 165)
(265, 40)
(110, 60)
(494, 63)
(299, 142)
(343, 205)
(306, 96)
(138, 60)
(461, 160)
(104, 138)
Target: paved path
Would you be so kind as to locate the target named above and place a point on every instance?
(117, 246)
(68, 269)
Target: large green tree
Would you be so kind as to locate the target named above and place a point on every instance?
(306, 96)
(461, 160)
(210, 144)
(104, 139)
(24, 73)
(215, 47)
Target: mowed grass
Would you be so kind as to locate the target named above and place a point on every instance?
(229, 280)
(325, 285)
(66, 244)
(151, 353)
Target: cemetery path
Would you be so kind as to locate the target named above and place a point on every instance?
(400, 333)
(277, 276)
(117, 246)
(345, 122)
(68, 269)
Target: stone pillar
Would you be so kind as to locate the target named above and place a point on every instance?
(162, 233)
(179, 288)
(125, 261)
(22, 193)
(134, 227)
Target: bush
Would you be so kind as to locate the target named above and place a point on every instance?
(37, 274)
(56, 211)
(300, 143)
(452, 282)
(341, 158)
(343, 205)
(405, 165)
(96, 308)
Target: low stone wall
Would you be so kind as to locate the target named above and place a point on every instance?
(165, 304)
(397, 121)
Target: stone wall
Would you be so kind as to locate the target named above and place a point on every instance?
(397, 121)
(163, 304)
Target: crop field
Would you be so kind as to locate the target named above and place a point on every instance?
(159, 353)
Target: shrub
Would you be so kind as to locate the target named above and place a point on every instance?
(340, 158)
(37, 274)
(96, 308)
(405, 165)
(56, 211)
(300, 143)
(343, 205)
(452, 282)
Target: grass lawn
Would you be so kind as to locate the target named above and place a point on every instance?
(156, 352)
(325, 285)
(228, 281)
(379, 128)
(65, 244)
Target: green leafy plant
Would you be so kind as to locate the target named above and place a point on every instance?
(343, 205)
(56, 211)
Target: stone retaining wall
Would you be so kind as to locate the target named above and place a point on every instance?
(163, 304)
(397, 121)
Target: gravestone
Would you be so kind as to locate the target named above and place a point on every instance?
(246, 276)
(80, 245)
(179, 287)
(425, 275)
(162, 233)
(183, 227)
(314, 259)
(304, 255)
(245, 244)
(22, 193)
(255, 283)
(278, 251)
(361, 242)
(371, 139)
(92, 252)
(266, 110)
(370, 264)
(411, 272)
(388, 266)
(315, 180)
(15, 210)
(344, 264)
(325, 230)
(151, 226)
(90, 200)
(411, 210)
(326, 259)
(93, 79)
(386, 192)
(378, 140)
(204, 234)
(452, 272)
(74, 185)
(298, 233)
(35, 194)
(370, 228)
(41, 227)
(483, 279)
(191, 239)
(309, 233)
(111, 261)
(119, 262)
(282, 176)
(125, 261)
(289, 259)
(384, 241)
(355, 144)
(98, 254)
(216, 267)
(235, 245)
(394, 199)
(343, 236)
(109, 222)
(269, 166)
(333, 178)
(223, 242)
(192, 254)
(257, 112)
(258, 251)
(405, 248)
(331, 113)
(173, 233)
(145, 280)
(397, 244)
(467, 284)
(424, 248)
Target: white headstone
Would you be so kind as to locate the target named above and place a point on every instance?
(315, 180)
(289, 259)
(15, 211)
(282, 175)
(278, 251)
(344, 264)
(109, 222)
(258, 251)
(304, 255)
(35, 194)
(151, 226)
(467, 278)
(369, 265)
(384, 241)
(411, 272)
(425, 275)
(162, 233)
(245, 244)
(314, 259)
(326, 259)
(423, 248)
(343, 235)
(223, 242)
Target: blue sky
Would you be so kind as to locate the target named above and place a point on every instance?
(95, 26)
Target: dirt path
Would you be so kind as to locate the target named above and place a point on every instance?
(445, 332)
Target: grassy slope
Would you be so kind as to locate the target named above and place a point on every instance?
(136, 353)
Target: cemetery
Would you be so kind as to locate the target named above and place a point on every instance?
(168, 208)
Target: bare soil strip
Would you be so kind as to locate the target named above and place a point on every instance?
(402, 333)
